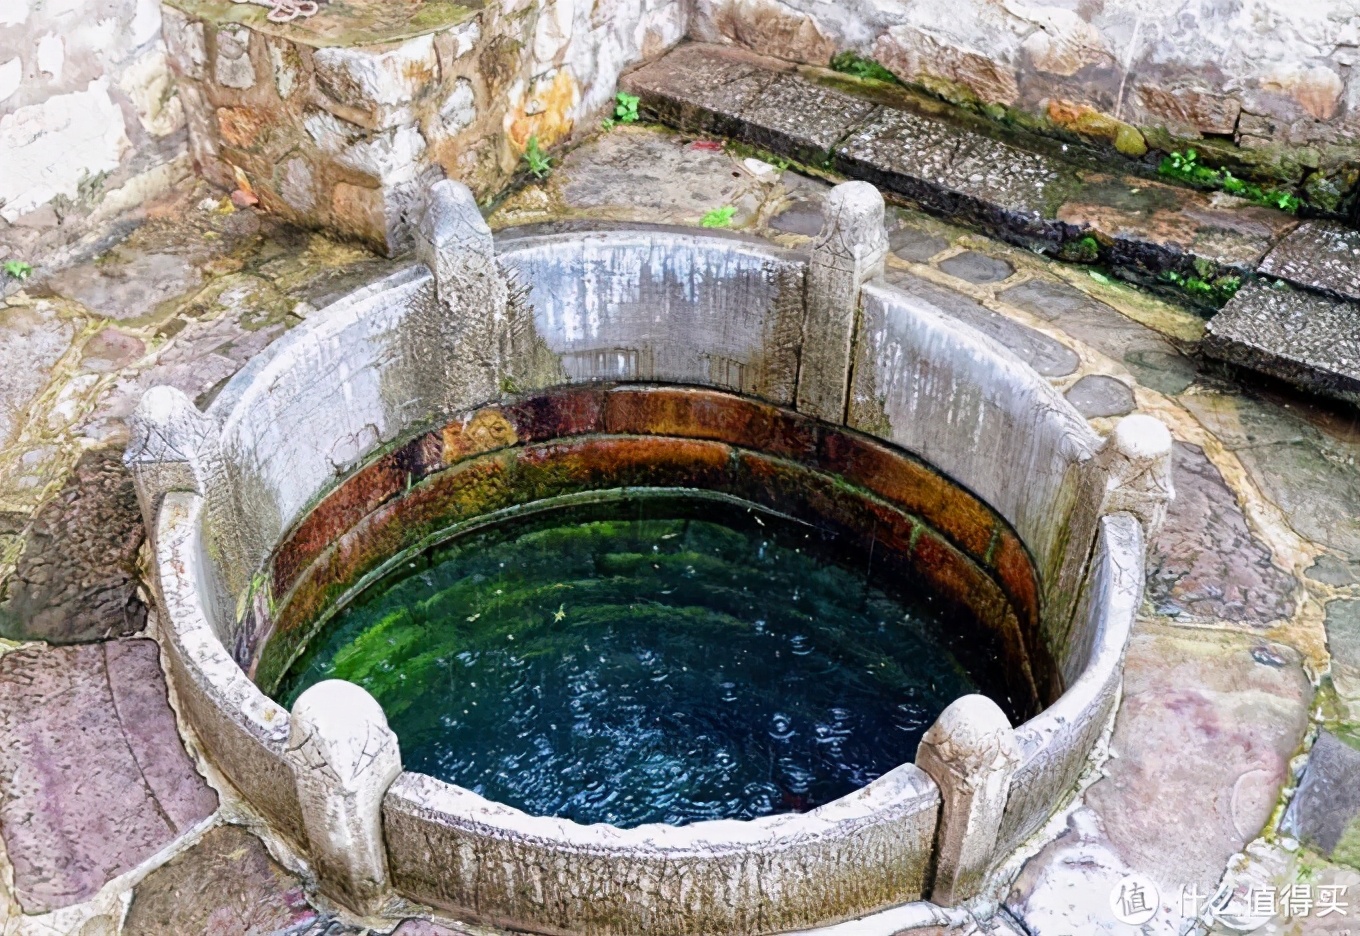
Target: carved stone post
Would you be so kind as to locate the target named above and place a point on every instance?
(970, 752)
(849, 251)
(462, 344)
(344, 758)
(1136, 460)
(1131, 473)
(173, 447)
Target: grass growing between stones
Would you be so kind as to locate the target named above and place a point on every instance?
(718, 217)
(535, 160)
(850, 63)
(1187, 168)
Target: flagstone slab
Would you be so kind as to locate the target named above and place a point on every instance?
(93, 777)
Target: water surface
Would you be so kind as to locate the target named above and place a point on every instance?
(654, 659)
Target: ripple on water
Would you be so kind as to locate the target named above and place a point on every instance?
(667, 662)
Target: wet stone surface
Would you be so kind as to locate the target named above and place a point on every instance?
(1210, 719)
(913, 245)
(1096, 395)
(1205, 563)
(1309, 340)
(1047, 356)
(93, 776)
(1321, 255)
(678, 182)
(1153, 359)
(977, 267)
(801, 217)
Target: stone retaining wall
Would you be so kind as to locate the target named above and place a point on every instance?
(1265, 83)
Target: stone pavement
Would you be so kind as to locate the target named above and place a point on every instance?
(1058, 200)
(1249, 641)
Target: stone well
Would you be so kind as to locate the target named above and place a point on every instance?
(452, 389)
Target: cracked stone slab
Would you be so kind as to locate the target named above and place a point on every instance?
(802, 118)
(1321, 255)
(93, 776)
(1205, 564)
(1308, 340)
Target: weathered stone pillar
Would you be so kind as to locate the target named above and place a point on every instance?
(849, 250)
(970, 752)
(344, 758)
(1131, 473)
(1136, 461)
(464, 343)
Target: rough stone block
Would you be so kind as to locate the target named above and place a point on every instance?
(93, 777)
(806, 120)
(1309, 340)
(1325, 812)
(380, 83)
(232, 66)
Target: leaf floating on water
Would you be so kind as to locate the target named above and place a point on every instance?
(474, 617)
(560, 613)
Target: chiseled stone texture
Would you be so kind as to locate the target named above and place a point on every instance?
(1319, 255)
(76, 578)
(1306, 339)
(1325, 812)
(93, 776)
(226, 885)
(1205, 564)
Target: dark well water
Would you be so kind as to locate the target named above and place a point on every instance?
(653, 659)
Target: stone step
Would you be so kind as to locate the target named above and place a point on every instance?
(1309, 340)
(1047, 198)
(1041, 197)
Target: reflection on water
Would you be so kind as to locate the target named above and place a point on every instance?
(651, 660)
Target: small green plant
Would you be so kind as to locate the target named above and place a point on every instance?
(718, 217)
(1216, 291)
(850, 63)
(17, 269)
(1083, 250)
(538, 162)
(1187, 168)
(625, 107)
